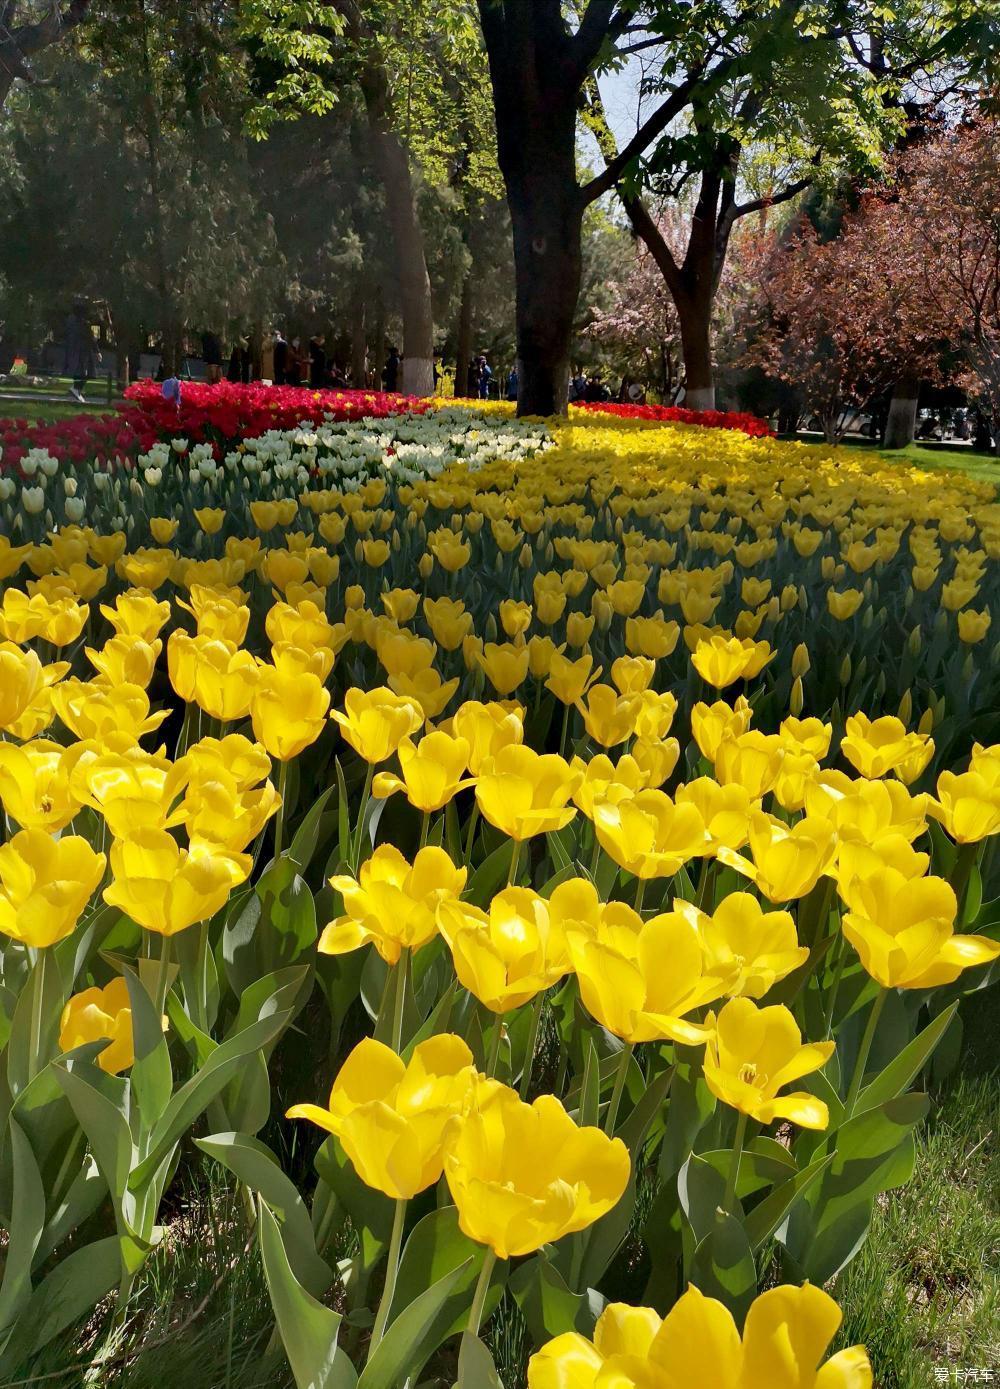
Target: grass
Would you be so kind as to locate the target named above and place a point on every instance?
(924, 1293)
(48, 411)
(928, 454)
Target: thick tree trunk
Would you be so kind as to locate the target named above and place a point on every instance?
(547, 218)
(359, 347)
(901, 426)
(463, 338)
(393, 167)
(696, 344)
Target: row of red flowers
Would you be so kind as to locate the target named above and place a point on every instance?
(676, 414)
(225, 413)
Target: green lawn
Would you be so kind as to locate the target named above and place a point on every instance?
(985, 467)
(47, 410)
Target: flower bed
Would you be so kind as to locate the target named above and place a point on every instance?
(564, 775)
(746, 423)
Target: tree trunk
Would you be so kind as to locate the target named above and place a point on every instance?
(901, 426)
(463, 338)
(547, 217)
(359, 348)
(696, 344)
(393, 167)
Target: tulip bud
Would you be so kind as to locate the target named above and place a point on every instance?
(906, 708)
(491, 628)
(602, 610)
(800, 660)
(525, 558)
(914, 641)
(927, 721)
(425, 565)
(796, 701)
(396, 542)
(845, 669)
(867, 618)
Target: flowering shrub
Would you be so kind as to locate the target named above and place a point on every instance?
(568, 780)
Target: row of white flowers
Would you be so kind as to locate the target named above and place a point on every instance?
(344, 454)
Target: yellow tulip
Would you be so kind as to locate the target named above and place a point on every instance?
(375, 722)
(753, 1053)
(96, 1014)
(710, 723)
(524, 1175)
(973, 626)
(624, 984)
(877, 746)
(515, 617)
(166, 888)
(654, 636)
(126, 660)
(967, 804)
(604, 780)
(608, 717)
(845, 604)
(392, 1118)
(210, 518)
(806, 735)
(35, 785)
(569, 680)
(96, 711)
(505, 666)
(866, 811)
(726, 810)
(524, 793)
(785, 1337)
(762, 947)
(431, 771)
(21, 682)
(45, 884)
(720, 660)
(752, 760)
(788, 861)
(448, 621)
(633, 674)
(487, 728)
(508, 955)
(650, 835)
(904, 930)
(288, 710)
(393, 903)
(137, 614)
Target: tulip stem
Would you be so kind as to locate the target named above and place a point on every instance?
(616, 1094)
(162, 976)
(494, 1057)
(391, 1271)
(529, 1055)
(565, 730)
(37, 995)
(279, 822)
(365, 796)
(640, 893)
(728, 1201)
(482, 1288)
(425, 825)
(515, 860)
(470, 838)
(399, 998)
(863, 1052)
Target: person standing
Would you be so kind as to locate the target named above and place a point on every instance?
(512, 383)
(317, 361)
(79, 341)
(485, 377)
(390, 373)
(280, 358)
(211, 355)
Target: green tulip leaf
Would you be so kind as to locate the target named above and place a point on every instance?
(257, 1167)
(27, 1222)
(420, 1328)
(723, 1266)
(66, 1294)
(476, 1369)
(308, 1330)
(151, 1078)
(899, 1074)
